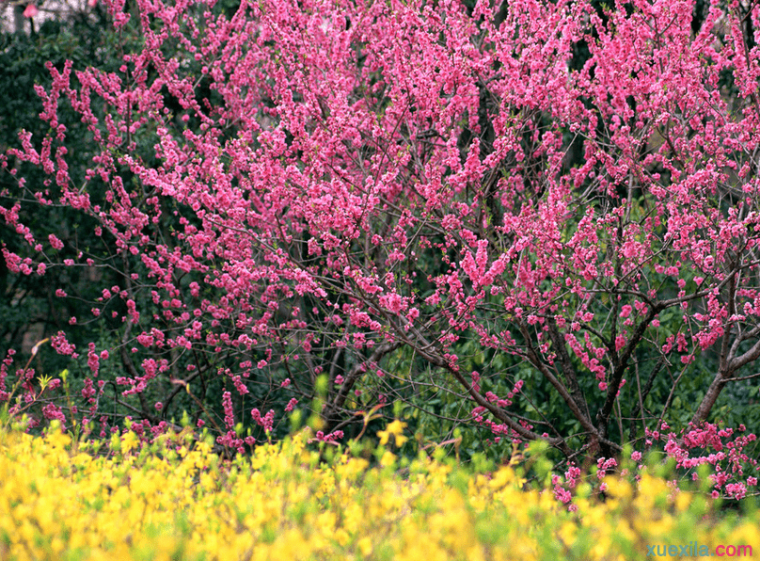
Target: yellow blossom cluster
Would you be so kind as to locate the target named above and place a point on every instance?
(175, 500)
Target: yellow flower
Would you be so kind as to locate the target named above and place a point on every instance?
(365, 546)
(388, 459)
(56, 501)
(396, 428)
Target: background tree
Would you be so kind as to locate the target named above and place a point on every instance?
(30, 309)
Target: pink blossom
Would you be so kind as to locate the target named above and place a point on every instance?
(332, 437)
(55, 242)
(330, 216)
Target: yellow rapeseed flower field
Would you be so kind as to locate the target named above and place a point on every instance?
(176, 500)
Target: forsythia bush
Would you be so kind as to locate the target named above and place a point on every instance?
(175, 499)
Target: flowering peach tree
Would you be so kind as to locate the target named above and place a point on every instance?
(290, 192)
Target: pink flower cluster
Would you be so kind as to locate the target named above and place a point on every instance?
(374, 176)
